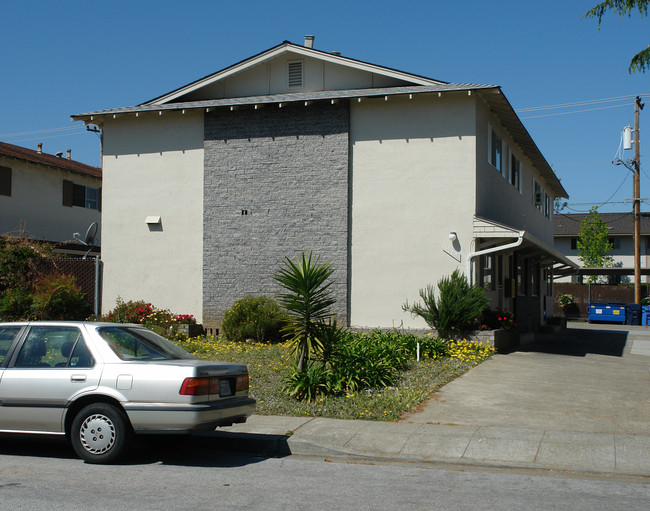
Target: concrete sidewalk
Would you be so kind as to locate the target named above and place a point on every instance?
(576, 401)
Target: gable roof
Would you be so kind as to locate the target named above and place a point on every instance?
(287, 47)
(492, 96)
(620, 224)
(48, 160)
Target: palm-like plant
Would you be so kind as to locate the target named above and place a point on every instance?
(308, 300)
(458, 305)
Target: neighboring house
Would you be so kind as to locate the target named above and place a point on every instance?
(621, 236)
(395, 178)
(48, 197)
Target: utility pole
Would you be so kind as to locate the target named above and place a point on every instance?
(637, 204)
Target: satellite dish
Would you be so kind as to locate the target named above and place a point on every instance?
(89, 239)
(90, 234)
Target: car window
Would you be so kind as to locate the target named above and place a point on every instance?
(7, 336)
(131, 343)
(48, 346)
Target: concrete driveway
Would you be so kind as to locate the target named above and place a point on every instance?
(592, 378)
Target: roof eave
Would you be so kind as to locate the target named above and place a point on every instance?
(501, 107)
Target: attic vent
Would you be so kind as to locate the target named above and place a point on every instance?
(295, 73)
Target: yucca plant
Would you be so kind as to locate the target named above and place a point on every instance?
(457, 306)
(308, 300)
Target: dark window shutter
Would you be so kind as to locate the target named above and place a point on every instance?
(68, 192)
(5, 181)
(99, 200)
(79, 196)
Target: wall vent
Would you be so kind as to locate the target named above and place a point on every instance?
(295, 73)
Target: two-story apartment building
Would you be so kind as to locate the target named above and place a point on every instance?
(47, 197)
(395, 178)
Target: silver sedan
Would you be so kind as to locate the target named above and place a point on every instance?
(99, 383)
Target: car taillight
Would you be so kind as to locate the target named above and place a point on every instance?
(242, 382)
(198, 386)
(205, 386)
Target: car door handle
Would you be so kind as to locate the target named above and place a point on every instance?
(78, 377)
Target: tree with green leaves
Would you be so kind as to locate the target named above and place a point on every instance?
(308, 300)
(593, 243)
(641, 61)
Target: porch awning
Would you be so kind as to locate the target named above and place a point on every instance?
(504, 235)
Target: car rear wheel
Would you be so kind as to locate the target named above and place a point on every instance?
(100, 433)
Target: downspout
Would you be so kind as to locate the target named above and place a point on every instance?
(500, 248)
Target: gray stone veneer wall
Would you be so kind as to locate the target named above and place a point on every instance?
(276, 184)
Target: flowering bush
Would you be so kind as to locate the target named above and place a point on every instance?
(495, 319)
(564, 300)
(129, 312)
(145, 313)
(183, 319)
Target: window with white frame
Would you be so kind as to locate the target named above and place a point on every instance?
(547, 205)
(80, 196)
(495, 149)
(515, 172)
(538, 196)
(487, 272)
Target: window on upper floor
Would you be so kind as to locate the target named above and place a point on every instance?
(515, 172)
(574, 243)
(5, 181)
(548, 209)
(80, 196)
(295, 74)
(538, 196)
(495, 149)
(615, 242)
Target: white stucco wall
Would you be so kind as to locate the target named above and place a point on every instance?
(153, 166)
(36, 203)
(413, 167)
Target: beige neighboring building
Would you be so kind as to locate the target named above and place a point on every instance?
(621, 236)
(48, 197)
(395, 178)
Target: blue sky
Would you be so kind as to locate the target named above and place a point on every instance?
(69, 57)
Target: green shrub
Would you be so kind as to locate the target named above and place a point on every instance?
(457, 307)
(58, 297)
(16, 304)
(17, 262)
(564, 300)
(254, 317)
(352, 361)
(308, 384)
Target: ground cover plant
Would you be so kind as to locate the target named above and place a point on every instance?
(403, 390)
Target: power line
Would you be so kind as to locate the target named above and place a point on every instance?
(579, 103)
(575, 111)
(36, 132)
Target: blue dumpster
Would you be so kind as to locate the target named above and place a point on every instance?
(614, 312)
(633, 314)
(645, 315)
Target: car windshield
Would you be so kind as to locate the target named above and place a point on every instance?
(133, 343)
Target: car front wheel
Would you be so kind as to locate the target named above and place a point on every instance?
(100, 433)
